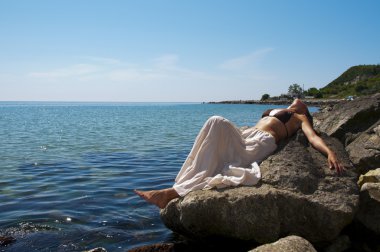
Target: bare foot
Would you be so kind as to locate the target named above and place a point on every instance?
(159, 198)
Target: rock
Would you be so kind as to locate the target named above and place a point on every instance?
(298, 194)
(364, 151)
(369, 208)
(348, 118)
(6, 240)
(160, 247)
(342, 243)
(373, 190)
(370, 182)
(288, 244)
(99, 249)
(369, 213)
(372, 176)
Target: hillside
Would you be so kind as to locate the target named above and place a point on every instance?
(357, 81)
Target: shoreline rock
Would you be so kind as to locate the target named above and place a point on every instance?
(346, 120)
(309, 102)
(289, 244)
(298, 194)
(369, 208)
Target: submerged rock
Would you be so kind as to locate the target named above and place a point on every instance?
(99, 249)
(289, 244)
(6, 240)
(298, 194)
(160, 247)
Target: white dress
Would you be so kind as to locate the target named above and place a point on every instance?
(223, 156)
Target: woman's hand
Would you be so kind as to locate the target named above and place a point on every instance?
(334, 163)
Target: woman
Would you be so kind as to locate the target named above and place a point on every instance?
(222, 154)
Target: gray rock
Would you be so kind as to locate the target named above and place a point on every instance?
(298, 194)
(369, 212)
(369, 209)
(373, 190)
(99, 249)
(364, 151)
(348, 118)
(372, 176)
(340, 244)
(289, 244)
(159, 247)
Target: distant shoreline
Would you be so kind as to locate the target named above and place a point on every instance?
(309, 102)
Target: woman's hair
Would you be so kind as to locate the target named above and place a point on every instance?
(309, 117)
(302, 109)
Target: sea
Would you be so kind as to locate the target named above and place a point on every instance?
(68, 169)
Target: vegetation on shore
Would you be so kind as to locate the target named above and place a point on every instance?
(361, 80)
(356, 81)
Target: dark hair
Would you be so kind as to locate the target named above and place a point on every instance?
(309, 117)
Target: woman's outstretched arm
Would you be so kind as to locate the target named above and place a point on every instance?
(320, 145)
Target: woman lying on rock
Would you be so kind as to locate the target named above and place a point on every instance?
(222, 154)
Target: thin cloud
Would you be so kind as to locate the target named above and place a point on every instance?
(245, 60)
(66, 72)
(102, 60)
(166, 61)
(163, 68)
(135, 75)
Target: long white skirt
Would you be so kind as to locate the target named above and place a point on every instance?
(223, 156)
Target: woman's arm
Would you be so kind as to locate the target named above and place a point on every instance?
(319, 144)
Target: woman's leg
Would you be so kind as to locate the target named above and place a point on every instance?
(213, 149)
(206, 157)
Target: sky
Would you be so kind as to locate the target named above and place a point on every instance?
(179, 51)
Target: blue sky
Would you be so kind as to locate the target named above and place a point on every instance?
(179, 51)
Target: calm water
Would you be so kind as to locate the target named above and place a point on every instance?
(68, 170)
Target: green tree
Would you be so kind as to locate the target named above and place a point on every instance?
(312, 91)
(315, 92)
(295, 90)
(318, 95)
(265, 97)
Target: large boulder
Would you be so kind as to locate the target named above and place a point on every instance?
(372, 176)
(346, 119)
(289, 244)
(364, 151)
(298, 194)
(369, 209)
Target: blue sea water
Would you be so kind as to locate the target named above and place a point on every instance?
(68, 170)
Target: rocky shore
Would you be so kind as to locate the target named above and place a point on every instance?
(309, 102)
(300, 204)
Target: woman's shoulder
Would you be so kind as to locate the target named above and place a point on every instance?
(266, 112)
